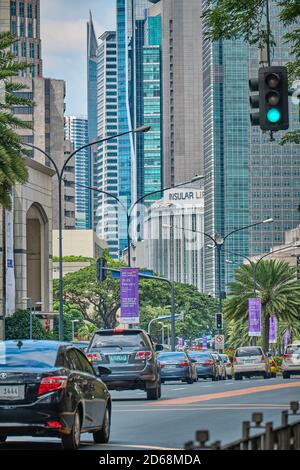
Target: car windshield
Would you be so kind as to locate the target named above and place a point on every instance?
(119, 341)
(33, 356)
(176, 357)
(242, 352)
(199, 356)
(224, 358)
(295, 349)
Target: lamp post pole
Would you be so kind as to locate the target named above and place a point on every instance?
(60, 175)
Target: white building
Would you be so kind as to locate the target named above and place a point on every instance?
(173, 246)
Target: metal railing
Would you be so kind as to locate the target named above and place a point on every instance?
(285, 437)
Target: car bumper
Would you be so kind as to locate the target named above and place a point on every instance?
(175, 374)
(130, 381)
(250, 368)
(291, 368)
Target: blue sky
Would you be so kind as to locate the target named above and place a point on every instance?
(63, 31)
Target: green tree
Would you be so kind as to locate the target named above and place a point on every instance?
(70, 313)
(12, 165)
(17, 326)
(86, 331)
(232, 19)
(276, 286)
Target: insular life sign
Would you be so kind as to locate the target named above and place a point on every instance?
(185, 196)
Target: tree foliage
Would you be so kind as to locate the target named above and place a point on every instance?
(276, 286)
(12, 166)
(18, 326)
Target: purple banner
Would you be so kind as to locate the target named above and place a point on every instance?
(286, 338)
(129, 295)
(273, 330)
(180, 342)
(204, 342)
(254, 318)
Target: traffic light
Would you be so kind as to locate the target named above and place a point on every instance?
(254, 101)
(219, 321)
(273, 98)
(100, 268)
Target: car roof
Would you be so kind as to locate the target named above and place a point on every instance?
(39, 344)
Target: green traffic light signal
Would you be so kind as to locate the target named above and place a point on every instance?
(273, 115)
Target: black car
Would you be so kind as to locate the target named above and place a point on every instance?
(131, 357)
(48, 388)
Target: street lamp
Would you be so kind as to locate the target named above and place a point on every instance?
(162, 317)
(60, 177)
(128, 212)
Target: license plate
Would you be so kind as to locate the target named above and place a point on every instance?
(12, 392)
(249, 361)
(119, 358)
(170, 367)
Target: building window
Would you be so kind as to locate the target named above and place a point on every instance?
(16, 48)
(22, 29)
(32, 71)
(32, 50)
(29, 10)
(24, 49)
(30, 30)
(13, 8)
(14, 27)
(21, 9)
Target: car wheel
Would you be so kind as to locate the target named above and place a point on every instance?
(213, 378)
(153, 393)
(102, 436)
(285, 375)
(3, 438)
(265, 375)
(72, 441)
(229, 377)
(189, 381)
(238, 377)
(273, 375)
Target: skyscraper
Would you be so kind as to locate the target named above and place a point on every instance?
(248, 178)
(181, 88)
(92, 46)
(22, 18)
(106, 163)
(76, 131)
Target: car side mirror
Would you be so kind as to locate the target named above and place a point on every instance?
(103, 371)
(159, 347)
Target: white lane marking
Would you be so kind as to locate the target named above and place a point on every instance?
(182, 388)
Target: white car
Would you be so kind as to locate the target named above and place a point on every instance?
(250, 361)
(291, 361)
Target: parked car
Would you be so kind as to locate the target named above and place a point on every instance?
(48, 388)
(82, 345)
(250, 361)
(273, 365)
(205, 364)
(131, 357)
(291, 361)
(221, 370)
(177, 366)
(228, 365)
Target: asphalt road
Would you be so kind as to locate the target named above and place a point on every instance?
(219, 407)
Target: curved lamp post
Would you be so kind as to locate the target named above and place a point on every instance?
(60, 174)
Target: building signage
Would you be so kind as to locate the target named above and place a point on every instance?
(273, 330)
(254, 318)
(185, 197)
(204, 342)
(129, 295)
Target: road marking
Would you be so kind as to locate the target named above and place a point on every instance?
(229, 394)
(208, 408)
(184, 388)
(139, 446)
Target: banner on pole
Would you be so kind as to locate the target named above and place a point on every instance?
(273, 330)
(254, 318)
(129, 295)
(10, 288)
(286, 338)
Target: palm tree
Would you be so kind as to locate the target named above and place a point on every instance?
(276, 286)
(12, 165)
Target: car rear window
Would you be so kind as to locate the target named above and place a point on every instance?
(28, 357)
(136, 341)
(241, 352)
(203, 356)
(172, 357)
(293, 349)
(224, 357)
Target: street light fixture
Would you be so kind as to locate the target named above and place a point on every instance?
(60, 177)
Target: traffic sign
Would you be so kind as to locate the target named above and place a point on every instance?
(219, 341)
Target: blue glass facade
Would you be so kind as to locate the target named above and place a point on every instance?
(76, 130)
(92, 80)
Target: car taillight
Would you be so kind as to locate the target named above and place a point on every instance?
(228, 364)
(144, 355)
(51, 384)
(162, 364)
(273, 363)
(262, 359)
(94, 357)
(54, 424)
(208, 363)
(287, 356)
(235, 360)
(184, 364)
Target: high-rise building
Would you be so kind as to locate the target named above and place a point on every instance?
(76, 131)
(92, 46)
(181, 88)
(22, 18)
(105, 175)
(248, 178)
